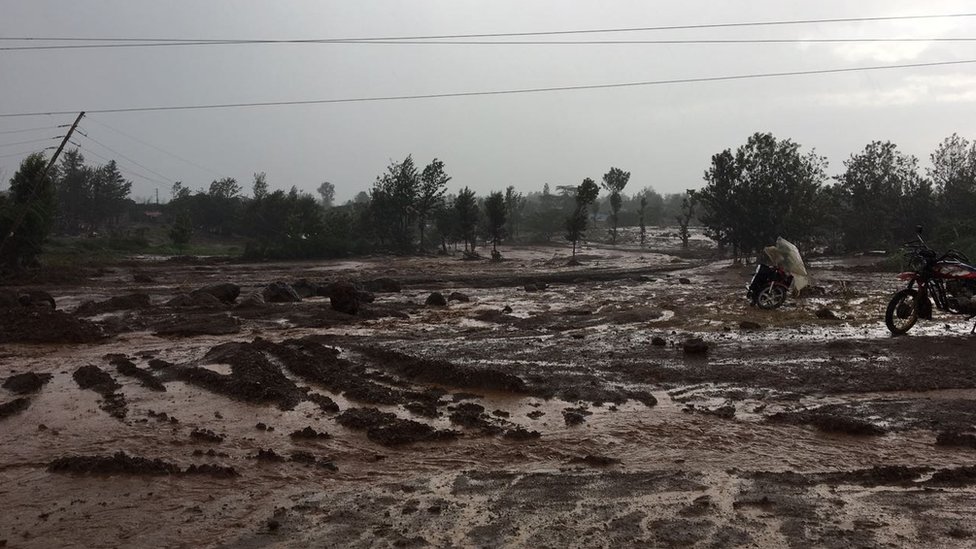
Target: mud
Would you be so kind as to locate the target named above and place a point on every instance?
(39, 325)
(14, 406)
(569, 415)
(26, 383)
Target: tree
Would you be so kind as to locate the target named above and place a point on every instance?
(467, 217)
(433, 185)
(179, 191)
(766, 189)
(73, 188)
(687, 213)
(226, 188)
(181, 231)
(586, 194)
(108, 192)
(26, 214)
(259, 189)
(327, 191)
(495, 214)
(614, 181)
(393, 204)
(874, 191)
(643, 228)
(446, 224)
(514, 205)
(953, 172)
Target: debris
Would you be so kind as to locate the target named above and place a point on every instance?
(279, 292)
(436, 299)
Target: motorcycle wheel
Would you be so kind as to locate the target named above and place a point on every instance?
(902, 312)
(771, 297)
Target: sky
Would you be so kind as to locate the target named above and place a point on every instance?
(664, 135)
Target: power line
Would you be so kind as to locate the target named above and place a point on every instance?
(106, 147)
(127, 170)
(28, 141)
(22, 153)
(729, 41)
(164, 151)
(534, 33)
(25, 130)
(503, 92)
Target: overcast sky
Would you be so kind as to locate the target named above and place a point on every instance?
(663, 135)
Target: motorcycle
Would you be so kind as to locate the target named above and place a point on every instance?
(768, 287)
(947, 280)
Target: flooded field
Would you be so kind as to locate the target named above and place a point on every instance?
(544, 405)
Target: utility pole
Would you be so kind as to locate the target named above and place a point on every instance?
(157, 196)
(47, 170)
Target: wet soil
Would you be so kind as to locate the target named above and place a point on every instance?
(568, 415)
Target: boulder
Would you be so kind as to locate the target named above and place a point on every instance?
(459, 297)
(253, 300)
(695, 346)
(200, 300)
(279, 292)
(215, 324)
(826, 314)
(117, 303)
(436, 299)
(684, 280)
(658, 341)
(536, 286)
(142, 278)
(305, 288)
(36, 298)
(383, 285)
(225, 292)
(750, 325)
(344, 297)
(9, 299)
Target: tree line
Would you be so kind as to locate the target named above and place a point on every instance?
(768, 187)
(765, 188)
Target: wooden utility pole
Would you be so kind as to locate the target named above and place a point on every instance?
(47, 170)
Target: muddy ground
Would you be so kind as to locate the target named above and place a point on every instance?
(556, 406)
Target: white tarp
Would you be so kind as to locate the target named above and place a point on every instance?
(784, 254)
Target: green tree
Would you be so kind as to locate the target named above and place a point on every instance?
(586, 194)
(643, 228)
(446, 224)
(327, 191)
(766, 189)
(874, 193)
(73, 189)
(688, 204)
(109, 191)
(514, 206)
(181, 231)
(430, 193)
(495, 214)
(953, 172)
(467, 217)
(614, 181)
(26, 214)
(393, 204)
(259, 189)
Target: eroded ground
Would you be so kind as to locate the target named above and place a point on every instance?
(557, 407)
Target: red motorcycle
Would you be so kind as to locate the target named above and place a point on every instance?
(947, 280)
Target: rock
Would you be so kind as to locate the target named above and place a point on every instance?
(117, 303)
(750, 325)
(217, 324)
(279, 292)
(536, 286)
(695, 346)
(225, 292)
(9, 299)
(658, 341)
(199, 300)
(142, 278)
(253, 300)
(344, 297)
(459, 297)
(684, 280)
(383, 285)
(507, 309)
(36, 298)
(26, 383)
(436, 299)
(303, 288)
(826, 314)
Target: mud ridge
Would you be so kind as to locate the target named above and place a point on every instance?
(389, 430)
(26, 383)
(15, 406)
(128, 368)
(94, 378)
